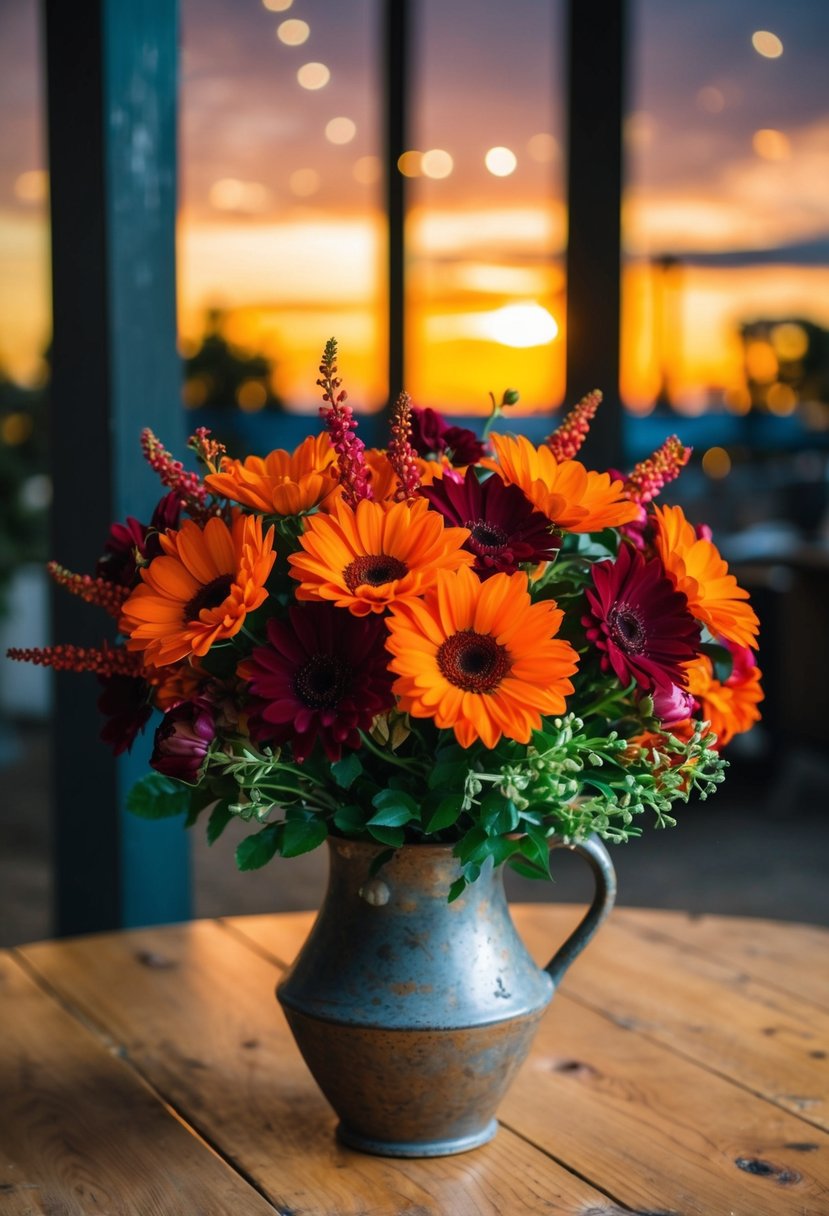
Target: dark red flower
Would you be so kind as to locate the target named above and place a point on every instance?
(183, 740)
(432, 436)
(125, 702)
(640, 622)
(323, 675)
(505, 528)
(132, 544)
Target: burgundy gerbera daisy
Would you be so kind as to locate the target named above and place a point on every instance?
(505, 530)
(133, 544)
(322, 675)
(432, 436)
(640, 622)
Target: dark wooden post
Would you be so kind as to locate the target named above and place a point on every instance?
(395, 134)
(596, 58)
(111, 79)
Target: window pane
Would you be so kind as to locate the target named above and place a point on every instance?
(282, 242)
(486, 228)
(727, 213)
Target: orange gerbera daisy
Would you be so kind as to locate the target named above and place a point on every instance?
(480, 658)
(383, 478)
(730, 706)
(284, 483)
(697, 570)
(367, 558)
(200, 590)
(573, 497)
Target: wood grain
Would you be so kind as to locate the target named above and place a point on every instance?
(617, 1107)
(81, 1135)
(193, 1008)
(794, 957)
(769, 1041)
(658, 1131)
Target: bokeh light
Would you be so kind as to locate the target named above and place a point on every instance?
(716, 463)
(409, 163)
(436, 163)
(313, 75)
(543, 148)
(767, 44)
(293, 32)
(340, 130)
(500, 162)
(771, 144)
(277, 6)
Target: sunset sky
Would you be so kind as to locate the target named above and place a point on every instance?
(281, 222)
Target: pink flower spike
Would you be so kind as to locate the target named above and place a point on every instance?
(174, 476)
(402, 457)
(107, 595)
(649, 476)
(104, 660)
(565, 442)
(341, 426)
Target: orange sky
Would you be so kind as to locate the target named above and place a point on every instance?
(725, 152)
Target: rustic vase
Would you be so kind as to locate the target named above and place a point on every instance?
(414, 1014)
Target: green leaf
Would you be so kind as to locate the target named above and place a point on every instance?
(394, 808)
(526, 868)
(158, 797)
(448, 775)
(256, 851)
(346, 771)
(445, 815)
(387, 835)
(301, 836)
(220, 817)
(458, 887)
(350, 818)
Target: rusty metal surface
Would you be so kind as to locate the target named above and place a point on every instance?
(412, 1013)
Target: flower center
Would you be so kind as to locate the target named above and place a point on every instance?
(374, 569)
(627, 629)
(209, 596)
(323, 681)
(486, 536)
(473, 661)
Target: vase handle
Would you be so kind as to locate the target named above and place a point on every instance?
(598, 858)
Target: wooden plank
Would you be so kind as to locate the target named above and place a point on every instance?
(766, 949)
(82, 1135)
(658, 1131)
(193, 1008)
(767, 1040)
(616, 1107)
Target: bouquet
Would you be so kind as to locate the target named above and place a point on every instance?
(464, 640)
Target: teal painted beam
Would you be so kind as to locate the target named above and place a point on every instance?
(111, 82)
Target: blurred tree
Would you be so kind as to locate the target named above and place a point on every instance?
(219, 375)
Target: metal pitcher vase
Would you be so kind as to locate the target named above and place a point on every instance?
(414, 1014)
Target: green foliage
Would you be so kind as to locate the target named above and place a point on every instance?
(158, 797)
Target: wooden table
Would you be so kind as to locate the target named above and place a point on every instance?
(682, 1069)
